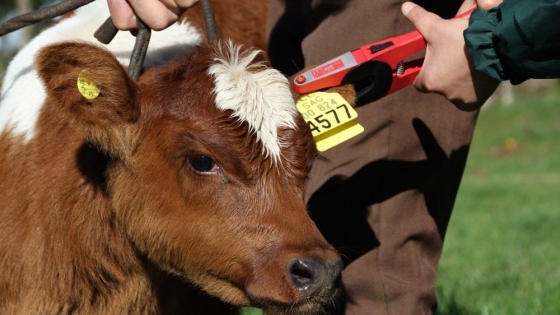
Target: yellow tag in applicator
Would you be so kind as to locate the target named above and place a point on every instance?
(331, 119)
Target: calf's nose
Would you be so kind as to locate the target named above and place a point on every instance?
(312, 277)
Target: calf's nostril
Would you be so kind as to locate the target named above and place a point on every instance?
(310, 276)
(301, 274)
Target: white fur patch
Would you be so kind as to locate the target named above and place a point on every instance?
(23, 94)
(258, 95)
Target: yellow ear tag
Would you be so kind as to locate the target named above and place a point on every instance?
(87, 87)
(331, 119)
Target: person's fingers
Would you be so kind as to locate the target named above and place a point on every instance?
(426, 23)
(156, 14)
(122, 14)
(466, 5)
(488, 4)
(186, 3)
(423, 20)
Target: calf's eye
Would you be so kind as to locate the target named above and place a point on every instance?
(203, 164)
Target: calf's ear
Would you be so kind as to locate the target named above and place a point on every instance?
(92, 91)
(347, 91)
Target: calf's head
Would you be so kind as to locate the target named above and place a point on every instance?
(209, 162)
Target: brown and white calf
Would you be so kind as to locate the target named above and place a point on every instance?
(193, 175)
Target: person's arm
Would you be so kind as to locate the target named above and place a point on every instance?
(157, 14)
(516, 41)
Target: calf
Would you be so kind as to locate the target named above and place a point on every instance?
(110, 203)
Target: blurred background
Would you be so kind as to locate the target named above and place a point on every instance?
(11, 43)
(501, 255)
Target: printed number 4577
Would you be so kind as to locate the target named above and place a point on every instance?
(329, 119)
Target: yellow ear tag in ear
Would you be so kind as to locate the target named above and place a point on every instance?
(87, 87)
(331, 119)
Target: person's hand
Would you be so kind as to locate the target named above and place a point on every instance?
(447, 69)
(157, 14)
(488, 4)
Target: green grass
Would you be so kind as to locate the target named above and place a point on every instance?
(246, 310)
(501, 254)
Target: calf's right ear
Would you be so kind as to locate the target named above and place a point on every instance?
(347, 91)
(93, 93)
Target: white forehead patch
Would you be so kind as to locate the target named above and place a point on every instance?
(256, 94)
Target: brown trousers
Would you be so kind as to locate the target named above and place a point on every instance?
(384, 198)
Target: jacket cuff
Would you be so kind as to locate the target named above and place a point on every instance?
(479, 42)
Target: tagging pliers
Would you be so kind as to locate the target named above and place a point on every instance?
(376, 69)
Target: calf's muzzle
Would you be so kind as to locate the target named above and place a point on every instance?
(313, 277)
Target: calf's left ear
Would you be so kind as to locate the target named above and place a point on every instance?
(93, 93)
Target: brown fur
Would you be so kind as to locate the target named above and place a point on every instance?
(103, 214)
(243, 21)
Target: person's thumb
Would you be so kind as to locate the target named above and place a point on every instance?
(420, 18)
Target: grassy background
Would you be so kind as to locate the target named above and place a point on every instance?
(501, 255)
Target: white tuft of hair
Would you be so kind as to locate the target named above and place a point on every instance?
(255, 93)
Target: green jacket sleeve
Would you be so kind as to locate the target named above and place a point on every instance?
(518, 40)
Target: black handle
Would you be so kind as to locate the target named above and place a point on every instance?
(107, 31)
(140, 49)
(48, 12)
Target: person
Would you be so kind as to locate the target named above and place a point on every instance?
(511, 40)
(383, 198)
